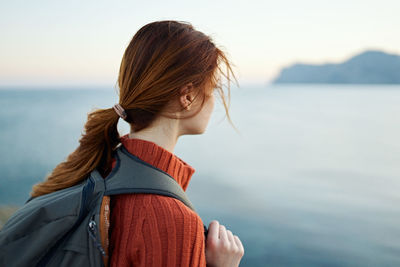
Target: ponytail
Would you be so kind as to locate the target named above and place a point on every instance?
(101, 137)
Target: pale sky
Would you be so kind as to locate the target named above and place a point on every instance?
(82, 42)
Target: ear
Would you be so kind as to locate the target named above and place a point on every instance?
(186, 96)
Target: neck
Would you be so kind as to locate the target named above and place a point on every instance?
(161, 132)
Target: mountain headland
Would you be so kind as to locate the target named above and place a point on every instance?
(369, 67)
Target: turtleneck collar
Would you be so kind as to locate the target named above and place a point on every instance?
(160, 158)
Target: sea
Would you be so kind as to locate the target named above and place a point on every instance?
(307, 175)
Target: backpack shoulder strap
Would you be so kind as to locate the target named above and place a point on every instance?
(133, 175)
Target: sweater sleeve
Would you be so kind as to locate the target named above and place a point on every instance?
(155, 230)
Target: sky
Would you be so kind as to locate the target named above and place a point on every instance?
(82, 42)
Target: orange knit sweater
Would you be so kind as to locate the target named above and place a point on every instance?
(155, 230)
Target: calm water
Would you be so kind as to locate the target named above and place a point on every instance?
(311, 179)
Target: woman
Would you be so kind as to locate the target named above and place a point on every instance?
(168, 75)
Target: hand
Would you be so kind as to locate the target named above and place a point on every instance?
(223, 249)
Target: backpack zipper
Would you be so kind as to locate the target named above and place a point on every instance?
(92, 229)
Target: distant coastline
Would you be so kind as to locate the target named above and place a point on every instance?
(369, 67)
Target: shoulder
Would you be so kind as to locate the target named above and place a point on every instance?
(157, 218)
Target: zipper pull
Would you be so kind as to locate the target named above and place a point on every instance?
(92, 232)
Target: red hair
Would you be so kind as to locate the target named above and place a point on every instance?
(162, 57)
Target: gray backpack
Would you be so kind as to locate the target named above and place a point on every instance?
(61, 228)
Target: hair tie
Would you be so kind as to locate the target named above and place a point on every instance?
(120, 111)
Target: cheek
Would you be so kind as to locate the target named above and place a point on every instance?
(212, 102)
(210, 109)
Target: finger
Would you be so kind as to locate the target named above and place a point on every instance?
(222, 233)
(213, 230)
(238, 243)
(230, 237)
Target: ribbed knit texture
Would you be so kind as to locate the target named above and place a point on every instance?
(155, 230)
